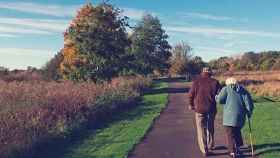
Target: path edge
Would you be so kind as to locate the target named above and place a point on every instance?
(151, 126)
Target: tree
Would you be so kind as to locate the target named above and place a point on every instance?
(51, 69)
(222, 64)
(195, 65)
(149, 46)
(249, 61)
(276, 65)
(182, 49)
(267, 64)
(95, 44)
(181, 55)
(3, 72)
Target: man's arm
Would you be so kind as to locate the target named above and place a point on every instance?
(192, 94)
(218, 87)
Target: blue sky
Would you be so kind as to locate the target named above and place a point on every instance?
(31, 32)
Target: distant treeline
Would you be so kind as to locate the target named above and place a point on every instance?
(251, 61)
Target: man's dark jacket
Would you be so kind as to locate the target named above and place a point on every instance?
(202, 94)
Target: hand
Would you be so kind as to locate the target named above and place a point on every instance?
(191, 108)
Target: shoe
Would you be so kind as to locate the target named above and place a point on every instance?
(209, 153)
(245, 146)
(233, 155)
(238, 152)
(212, 148)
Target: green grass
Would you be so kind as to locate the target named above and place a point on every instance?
(118, 137)
(266, 128)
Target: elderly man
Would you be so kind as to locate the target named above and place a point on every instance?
(202, 101)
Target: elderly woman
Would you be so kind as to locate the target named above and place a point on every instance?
(237, 105)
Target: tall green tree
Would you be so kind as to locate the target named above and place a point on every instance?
(150, 47)
(51, 69)
(95, 44)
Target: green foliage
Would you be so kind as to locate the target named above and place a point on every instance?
(51, 69)
(98, 41)
(221, 64)
(149, 47)
(251, 61)
(265, 124)
(195, 65)
(267, 64)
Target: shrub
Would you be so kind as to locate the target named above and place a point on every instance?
(37, 111)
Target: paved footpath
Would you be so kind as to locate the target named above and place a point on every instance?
(173, 134)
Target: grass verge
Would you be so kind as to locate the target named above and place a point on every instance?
(118, 137)
(266, 127)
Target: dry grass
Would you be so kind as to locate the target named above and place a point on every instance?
(35, 111)
(253, 75)
(260, 83)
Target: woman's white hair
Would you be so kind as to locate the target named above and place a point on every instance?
(231, 81)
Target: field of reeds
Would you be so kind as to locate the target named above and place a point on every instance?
(34, 112)
(260, 83)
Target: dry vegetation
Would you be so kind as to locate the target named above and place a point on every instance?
(32, 112)
(258, 82)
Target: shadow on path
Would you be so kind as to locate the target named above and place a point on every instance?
(167, 90)
(267, 148)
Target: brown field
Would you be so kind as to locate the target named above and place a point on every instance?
(261, 83)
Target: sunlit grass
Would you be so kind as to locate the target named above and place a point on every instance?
(266, 127)
(117, 138)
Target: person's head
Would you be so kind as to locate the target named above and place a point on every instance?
(231, 81)
(206, 71)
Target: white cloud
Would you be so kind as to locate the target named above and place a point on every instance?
(20, 58)
(45, 24)
(207, 16)
(133, 13)
(225, 31)
(25, 51)
(20, 30)
(213, 49)
(229, 44)
(61, 10)
(204, 16)
(7, 35)
(45, 9)
(209, 53)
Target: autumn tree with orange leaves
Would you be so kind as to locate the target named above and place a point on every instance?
(181, 56)
(95, 44)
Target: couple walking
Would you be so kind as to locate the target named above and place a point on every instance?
(237, 103)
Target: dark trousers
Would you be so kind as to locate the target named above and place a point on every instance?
(234, 138)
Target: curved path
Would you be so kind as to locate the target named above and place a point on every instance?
(173, 134)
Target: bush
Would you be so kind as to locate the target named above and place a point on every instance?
(34, 112)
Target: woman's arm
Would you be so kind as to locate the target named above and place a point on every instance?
(222, 96)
